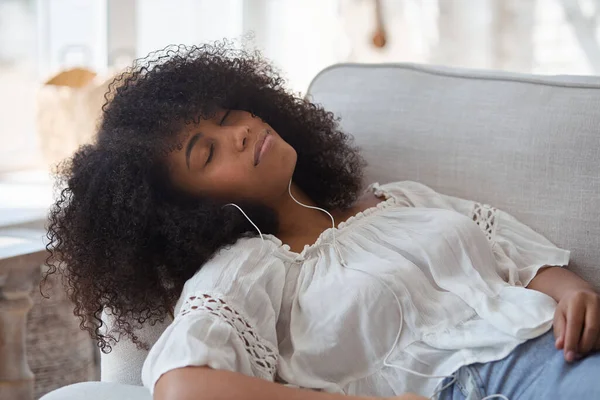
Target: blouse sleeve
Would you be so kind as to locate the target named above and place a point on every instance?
(225, 318)
(519, 251)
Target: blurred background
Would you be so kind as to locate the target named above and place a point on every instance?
(40, 38)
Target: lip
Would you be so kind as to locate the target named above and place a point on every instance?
(261, 147)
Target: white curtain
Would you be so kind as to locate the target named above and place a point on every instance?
(299, 37)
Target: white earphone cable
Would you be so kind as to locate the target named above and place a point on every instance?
(248, 218)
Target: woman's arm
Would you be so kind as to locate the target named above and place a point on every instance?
(577, 317)
(202, 383)
(557, 281)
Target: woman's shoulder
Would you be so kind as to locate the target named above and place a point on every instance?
(419, 195)
(408, 193)
(246, 262)
(401, 187)
(252, 248)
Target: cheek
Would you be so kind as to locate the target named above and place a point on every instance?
(232, 181)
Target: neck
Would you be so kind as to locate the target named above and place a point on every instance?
(296, 220)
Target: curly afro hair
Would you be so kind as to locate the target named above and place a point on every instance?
(122, 237)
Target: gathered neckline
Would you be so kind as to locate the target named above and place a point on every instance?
(343, 226)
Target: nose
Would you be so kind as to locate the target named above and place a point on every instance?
(241, 134)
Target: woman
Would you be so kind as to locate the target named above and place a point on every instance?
(214, 195)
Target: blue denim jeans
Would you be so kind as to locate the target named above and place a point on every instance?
(535, 370)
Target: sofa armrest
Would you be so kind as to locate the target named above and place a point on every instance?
(124, 363)
(99, 391)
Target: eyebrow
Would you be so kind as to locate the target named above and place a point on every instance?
(189, 147)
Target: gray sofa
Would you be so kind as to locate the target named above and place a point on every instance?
(527, 144)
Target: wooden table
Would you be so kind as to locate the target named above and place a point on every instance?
(24, 202)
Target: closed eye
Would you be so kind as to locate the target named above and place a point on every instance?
(210, 153)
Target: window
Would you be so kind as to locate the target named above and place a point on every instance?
(38, 38)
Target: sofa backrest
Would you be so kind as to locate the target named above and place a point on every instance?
(529, 145)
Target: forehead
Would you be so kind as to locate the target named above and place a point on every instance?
(192, 126)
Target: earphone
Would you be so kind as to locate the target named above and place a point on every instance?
(397, 339)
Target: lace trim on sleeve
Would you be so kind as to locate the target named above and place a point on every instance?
(262, 355)
(485, 217)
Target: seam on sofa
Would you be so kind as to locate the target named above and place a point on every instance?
(463, 73)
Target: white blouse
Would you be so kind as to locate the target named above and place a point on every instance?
(450, 272)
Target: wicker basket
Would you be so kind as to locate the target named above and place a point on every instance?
(68, 108)
(58, 351)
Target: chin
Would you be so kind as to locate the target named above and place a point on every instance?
(290, 163)
(285, 171)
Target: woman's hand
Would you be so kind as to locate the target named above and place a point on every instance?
(577, 323)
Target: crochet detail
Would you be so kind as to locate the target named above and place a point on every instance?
(485, 217)
(262, 355)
